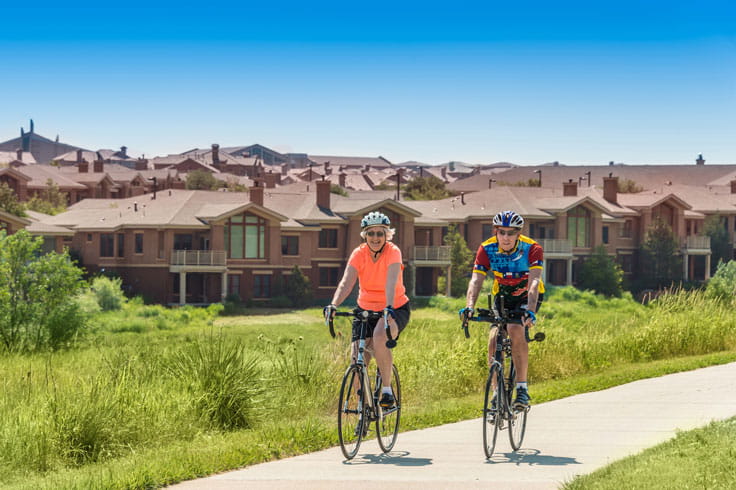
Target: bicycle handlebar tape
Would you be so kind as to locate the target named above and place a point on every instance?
(332, 328)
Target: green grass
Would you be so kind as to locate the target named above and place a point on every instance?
(154, 396)
(697, 459)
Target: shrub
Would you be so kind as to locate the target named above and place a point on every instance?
(722, 286)
(224, 379)
(109, 292)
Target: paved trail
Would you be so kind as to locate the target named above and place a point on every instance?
(567, 437)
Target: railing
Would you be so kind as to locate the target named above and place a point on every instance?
(697, 242)
(198, 257)
(555, 245)
(439, 253)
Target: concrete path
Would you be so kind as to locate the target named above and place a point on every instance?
(564, 438)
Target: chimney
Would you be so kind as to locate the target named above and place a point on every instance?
(610, 188)
(79, 156)
(328, 170)
(284, 170)
(490, 183)
(83, 167)
(99, 166)
(135, 206)
(700, 160)
(256, 193)
(141, 164)
(610, 164)
(733, 186)
(215, 154)
(323, 193)
(124, 151)
(343, 179)
(462, 197)
(19, 154)
(444, 173)
(570, 188)
(555, 163)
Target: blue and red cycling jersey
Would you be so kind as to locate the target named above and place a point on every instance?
(510, 269)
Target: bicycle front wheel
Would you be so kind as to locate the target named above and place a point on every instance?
(517, 419)
(492, 406)
(387, 425)
(350, 420)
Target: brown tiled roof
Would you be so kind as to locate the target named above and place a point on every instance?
(336, 161)
(40, 174)
(11, 156)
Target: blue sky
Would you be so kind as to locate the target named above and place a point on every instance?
(639, 82)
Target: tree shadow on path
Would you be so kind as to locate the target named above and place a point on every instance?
(531, 457)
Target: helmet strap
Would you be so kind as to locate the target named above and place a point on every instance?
(376, 253)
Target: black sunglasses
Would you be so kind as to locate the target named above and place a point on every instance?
(379, 234)
(508, 232)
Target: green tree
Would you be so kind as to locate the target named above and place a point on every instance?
(660, 264)
(298, 288)
(601, 274)
(9, 201)
(201, 180)
(36, 309)
(50, 200)
(461, 260)
(336, 189)
(723, 284)
(628, 186)
(720, 246)
(426, 189)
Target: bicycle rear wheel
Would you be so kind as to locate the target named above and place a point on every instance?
(517, 419)
(350, 419)
(492, 419)
(387, 425)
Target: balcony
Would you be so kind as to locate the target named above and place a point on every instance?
(198, 261)
(696, 244)
(432, 255)
(556, 247)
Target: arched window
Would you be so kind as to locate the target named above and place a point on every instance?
(245, 237)
(578, 226)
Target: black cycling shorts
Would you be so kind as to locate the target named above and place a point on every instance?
(402, 318)
(515, 303)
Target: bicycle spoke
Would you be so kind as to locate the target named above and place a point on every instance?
(350, 420)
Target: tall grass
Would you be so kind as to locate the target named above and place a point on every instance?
(158, 395)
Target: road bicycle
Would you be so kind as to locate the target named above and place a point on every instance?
(498, 410)
(358, 404)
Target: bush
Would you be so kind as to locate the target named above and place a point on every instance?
(601, 274)
(109, 292)
(722, 286)
(224, 379)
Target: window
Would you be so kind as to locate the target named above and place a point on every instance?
(245, 237)
(328, 238)
(487, 231)
(605, 234)
(139, 243)
(261, 286)
(121, 245)
(182, 241)
(290, 245)
(89, 237)
(107, 245)
(233, 285)
(626, 263)
(626, 229)
(161, 250)
(578, 227)
(328, 276)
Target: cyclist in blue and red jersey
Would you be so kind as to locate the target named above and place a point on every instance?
(516, 262)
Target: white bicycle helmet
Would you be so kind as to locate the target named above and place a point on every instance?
(374, 218)
(508, 219)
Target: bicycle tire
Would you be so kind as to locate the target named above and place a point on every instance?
(387, 422)
(492, 416)
(517, 417)
(351, 422)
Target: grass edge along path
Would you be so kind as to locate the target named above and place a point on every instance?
(212, 454)
(696, 459)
